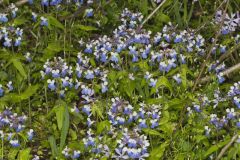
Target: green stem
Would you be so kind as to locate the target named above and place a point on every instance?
(2, 149)
(46, 98)
(64, 39)
(29, 100)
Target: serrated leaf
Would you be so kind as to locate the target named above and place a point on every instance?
(102, 126)
(97, 111)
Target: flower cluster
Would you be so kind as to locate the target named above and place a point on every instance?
(67, 152)
(11, 125)
(9, 87)
(217, 121)
(128, 45)
(165, 50)
(132, 145)
(59, 4)
(234, 93)
(11, 36)
(4, 17)
(94, 144)
(122, 113)
(58, 74)
(230, 22)
(86, 71)
(218, 68)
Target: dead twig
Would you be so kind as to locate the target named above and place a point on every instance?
(224, 56)
(225, 73)
(151, 14)
(234, 138)
(183, 111)
(210, 49)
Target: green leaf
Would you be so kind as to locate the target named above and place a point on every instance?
(51, 50)
(177, 13)
(24, 154)
(129, 87)
(158, 152)
(13, 97)
(73, 134)
(155, 101)
(19, 21)
(102, 126)
(185, 11)
(216, 147)
(31, 90)
(64, 130)
(163, 81)
(152, 132)
(167, 128)
(54, 22)
(97, 110)
(184, 76)
(12, 153)
(86, 28)
(60, 110)
(143, 6)
(163, 18)
(19, 66)
(93, 63)
(165, 118)
(176, 104)
(53, 145)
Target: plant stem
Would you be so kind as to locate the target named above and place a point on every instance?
(225, 73)
(151, 14)
(234, 138)
(29, 100)
(211, 48)
(46, 98)
(2, 149)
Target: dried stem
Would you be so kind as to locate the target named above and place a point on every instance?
(153, 12)
(224, 56)
(19, 3)
(234, 138)
(225, 73)
(210, 50)
(203, 66)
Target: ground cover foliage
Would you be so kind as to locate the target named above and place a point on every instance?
(123, 79)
